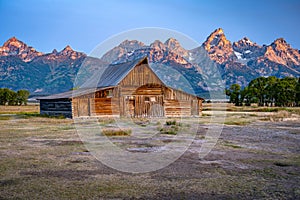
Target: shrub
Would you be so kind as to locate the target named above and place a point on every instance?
(116, 132)
(173, 122)
(168, 131)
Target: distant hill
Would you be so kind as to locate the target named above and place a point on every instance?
(22, 67)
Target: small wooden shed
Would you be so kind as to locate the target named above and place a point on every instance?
(129, 89)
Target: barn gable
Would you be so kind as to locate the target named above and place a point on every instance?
(115, 73)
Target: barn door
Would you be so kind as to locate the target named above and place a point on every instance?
(194, 108)
(156, 107)
(129, 106)
(83, 107)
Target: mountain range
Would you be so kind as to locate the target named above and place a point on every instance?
(206, 68)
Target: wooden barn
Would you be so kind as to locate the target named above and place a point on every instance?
(129, 89)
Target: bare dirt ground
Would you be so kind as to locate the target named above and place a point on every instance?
(256, 157)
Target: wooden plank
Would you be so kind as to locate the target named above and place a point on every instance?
(175, 108)
(141, 75)
(105, 106)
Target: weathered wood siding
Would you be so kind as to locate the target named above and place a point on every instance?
(148, 89)
(177, 108)
(139, 76)
(106, 106)
(100, 103)
(179, 104)
(56, 107)
(177, 94)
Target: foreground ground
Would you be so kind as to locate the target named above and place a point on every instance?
(257, 156)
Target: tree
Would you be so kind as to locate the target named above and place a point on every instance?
(247, 96)
(267, 92)
(2, 97)
(6, 96)
(234, 93)
(270, 90)
(297, 89)
(258, 88)
(285, 91)
(13, 98)
(22, 97)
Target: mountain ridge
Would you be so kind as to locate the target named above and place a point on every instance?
(22, 67)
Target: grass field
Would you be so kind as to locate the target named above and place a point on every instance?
(20, 109)
(256, 157)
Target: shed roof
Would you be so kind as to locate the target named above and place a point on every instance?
(73, 93)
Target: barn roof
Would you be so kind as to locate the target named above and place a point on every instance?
(73, 93)
(110, 77)
(107, 77)
(115, 73)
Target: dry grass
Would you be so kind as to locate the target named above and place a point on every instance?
(44, 158)
(19, 109)
(237, 122)
(253, 108)
(116, 132)
(5, 117)
(278, 116)
(171, 127)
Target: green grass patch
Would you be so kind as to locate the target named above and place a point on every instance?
(206, 115)
(172, 122)
(268, 109)
(27, 115)
(253, 115)
(294, 132)
(229, 144)
(4, 117)
(171, 127)
(168, 131)
(105, 121)
(291, 161)
(266, 173)
(238, 123)
(282, 164)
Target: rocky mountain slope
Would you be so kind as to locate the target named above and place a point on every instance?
(245, 60)
(204, 68)
(238, 62)
(22, 67)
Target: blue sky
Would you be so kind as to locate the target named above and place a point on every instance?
(83, 24)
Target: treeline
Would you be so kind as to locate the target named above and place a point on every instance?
(10, 97)
(270, 91)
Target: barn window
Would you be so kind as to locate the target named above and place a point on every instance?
(129, 97)
(109, 93)
(152, 99)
